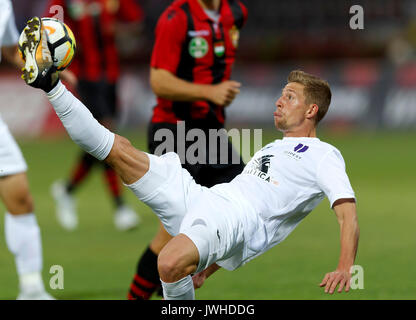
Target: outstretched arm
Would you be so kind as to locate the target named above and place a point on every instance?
(345, 210)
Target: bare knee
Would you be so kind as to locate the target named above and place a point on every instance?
(177, 259)
(20, 204)
(169, 268)
(14, 191)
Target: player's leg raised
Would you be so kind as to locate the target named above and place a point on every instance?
(159, 182)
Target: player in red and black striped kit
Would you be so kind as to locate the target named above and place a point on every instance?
(96, 67)
(194, 51)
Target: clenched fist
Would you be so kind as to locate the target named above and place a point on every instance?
(223, 94)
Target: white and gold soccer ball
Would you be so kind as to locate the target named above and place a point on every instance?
(61, 42)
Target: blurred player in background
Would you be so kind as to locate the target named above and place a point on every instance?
(20, 226)
(194, 51)
(96, 67)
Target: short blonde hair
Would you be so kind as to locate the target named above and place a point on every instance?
(316, 91)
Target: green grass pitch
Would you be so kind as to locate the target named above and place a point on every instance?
(99, 261)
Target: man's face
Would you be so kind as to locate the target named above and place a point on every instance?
(290, 107)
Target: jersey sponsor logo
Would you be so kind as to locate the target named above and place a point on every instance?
(198, 33)
(198, 47)
(263, 164)
(260, 168)
(299, 149)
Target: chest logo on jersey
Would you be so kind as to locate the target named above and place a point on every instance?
(299, 149)
(198, 47)
(260, 168)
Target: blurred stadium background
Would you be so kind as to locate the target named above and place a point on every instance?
(372, 120)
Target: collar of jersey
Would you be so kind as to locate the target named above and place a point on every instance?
(199, 11)
(300, 138)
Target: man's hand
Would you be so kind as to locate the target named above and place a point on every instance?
(199, 279)
(335, 278)
(347, 219)
(223, 94)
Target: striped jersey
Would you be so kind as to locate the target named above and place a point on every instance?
(197, 48)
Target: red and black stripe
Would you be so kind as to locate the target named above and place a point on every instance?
(218, 68)
(141, 289)
(237, 13)
(185, 68)
(96, 22)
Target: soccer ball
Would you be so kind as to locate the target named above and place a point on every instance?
(61, 42)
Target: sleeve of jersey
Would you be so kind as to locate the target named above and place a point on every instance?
(170, 35)
(245, 13)
(130, 11)
(333, 179)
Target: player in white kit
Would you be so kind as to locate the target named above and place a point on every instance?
(231, 223)
(20, 226)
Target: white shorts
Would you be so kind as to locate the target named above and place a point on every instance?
(183, 206)
(11, 158)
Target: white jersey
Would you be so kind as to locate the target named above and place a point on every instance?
(11, 158)
(8, 32)
(281, 184)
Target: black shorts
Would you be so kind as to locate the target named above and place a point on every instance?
(99, 97)
(205, 174)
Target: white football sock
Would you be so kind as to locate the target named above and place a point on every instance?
(80, 124)
(179, 290)
(23, 240)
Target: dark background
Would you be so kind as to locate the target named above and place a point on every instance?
(372, 71)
